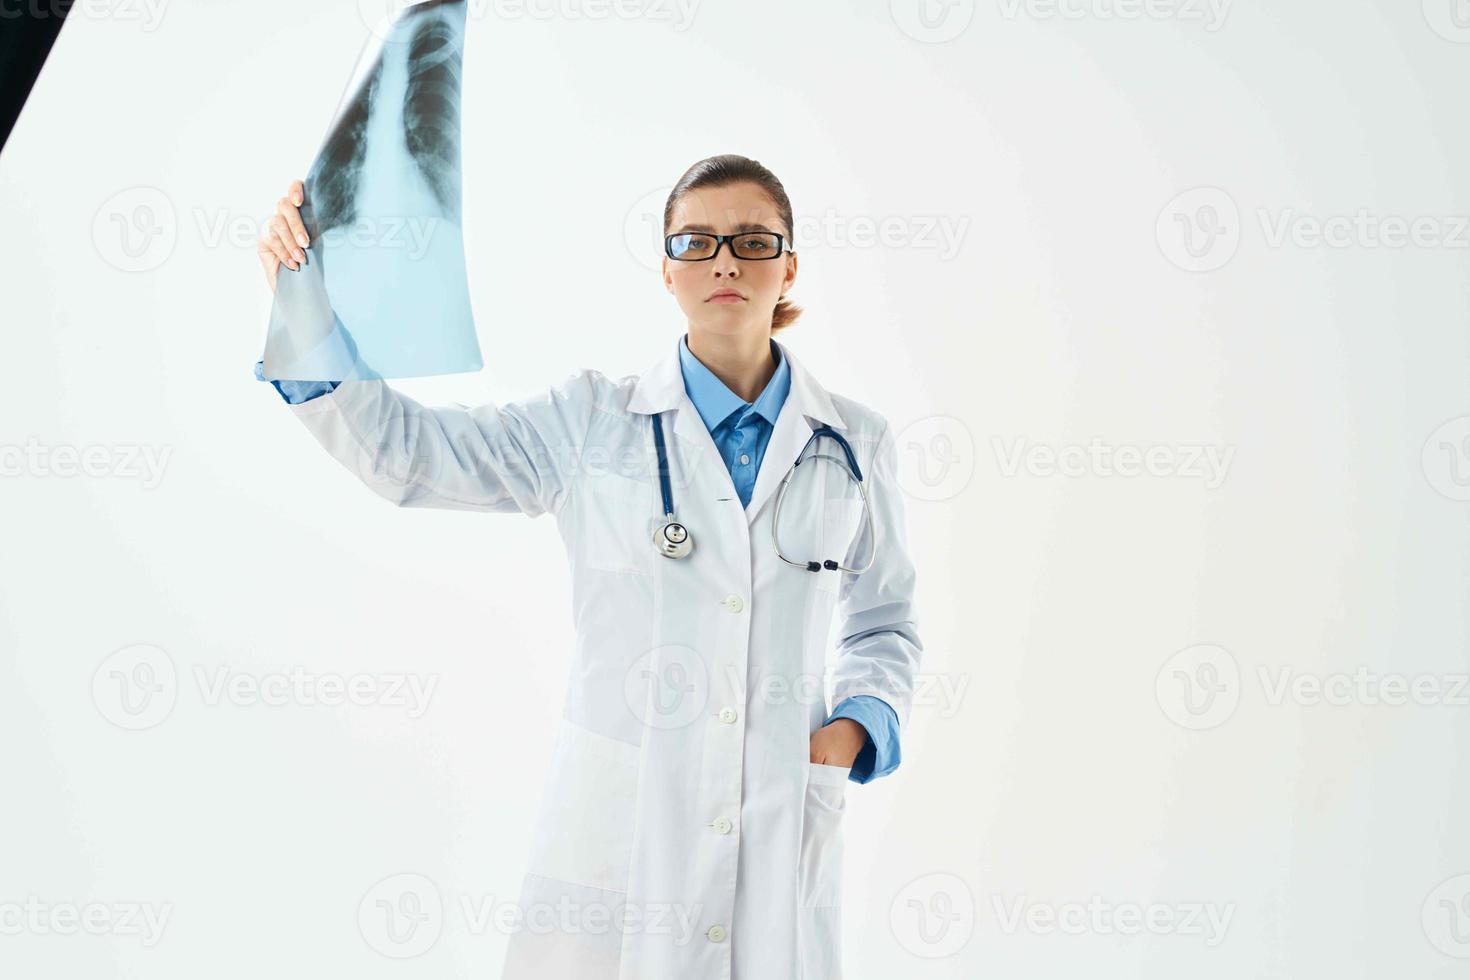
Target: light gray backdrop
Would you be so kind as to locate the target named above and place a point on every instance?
(1168, 301)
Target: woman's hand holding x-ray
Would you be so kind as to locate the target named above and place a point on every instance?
(284, 240)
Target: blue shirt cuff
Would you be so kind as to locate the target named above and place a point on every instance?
(880, 754)
(296, 392)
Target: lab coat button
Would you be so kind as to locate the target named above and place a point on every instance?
(723, 825)
(716, 934)
(734, 603)
(728, 716)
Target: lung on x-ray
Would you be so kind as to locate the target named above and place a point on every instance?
(383, 292)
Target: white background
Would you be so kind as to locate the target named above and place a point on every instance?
(1062, 751)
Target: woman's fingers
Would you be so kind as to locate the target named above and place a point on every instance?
(281, 244)
(287, 209)
(285, 237)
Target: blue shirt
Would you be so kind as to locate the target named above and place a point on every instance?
(741, 431)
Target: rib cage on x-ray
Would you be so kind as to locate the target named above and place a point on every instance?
(388, 175)
(431, 112)
(434, 59)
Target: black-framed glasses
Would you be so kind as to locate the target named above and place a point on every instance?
(699, 247)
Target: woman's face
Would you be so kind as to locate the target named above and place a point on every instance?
(759, 283)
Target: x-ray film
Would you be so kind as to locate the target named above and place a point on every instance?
(383, 292)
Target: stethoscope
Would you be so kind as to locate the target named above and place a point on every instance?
(672, 538)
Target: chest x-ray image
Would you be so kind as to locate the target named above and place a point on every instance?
(384, 292)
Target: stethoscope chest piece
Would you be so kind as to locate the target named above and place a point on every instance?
(672, 540)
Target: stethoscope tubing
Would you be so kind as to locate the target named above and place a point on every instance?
(680, 534)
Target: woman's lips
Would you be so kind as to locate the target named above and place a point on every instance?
(727, 298)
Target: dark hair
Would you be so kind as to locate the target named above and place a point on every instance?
(732, 168)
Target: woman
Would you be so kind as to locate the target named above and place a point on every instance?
(690, 825)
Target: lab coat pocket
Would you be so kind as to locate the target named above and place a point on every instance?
(842, 522)
(585, 831)
(618, 519)
(820, 872)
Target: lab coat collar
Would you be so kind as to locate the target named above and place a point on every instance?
(660, 388)
(807, 406)
(715, 401)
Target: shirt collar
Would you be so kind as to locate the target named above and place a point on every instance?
(714, 401)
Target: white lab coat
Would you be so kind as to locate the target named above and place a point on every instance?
(683, 833)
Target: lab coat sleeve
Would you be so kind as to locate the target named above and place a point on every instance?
(515, 457)
(878, 648)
